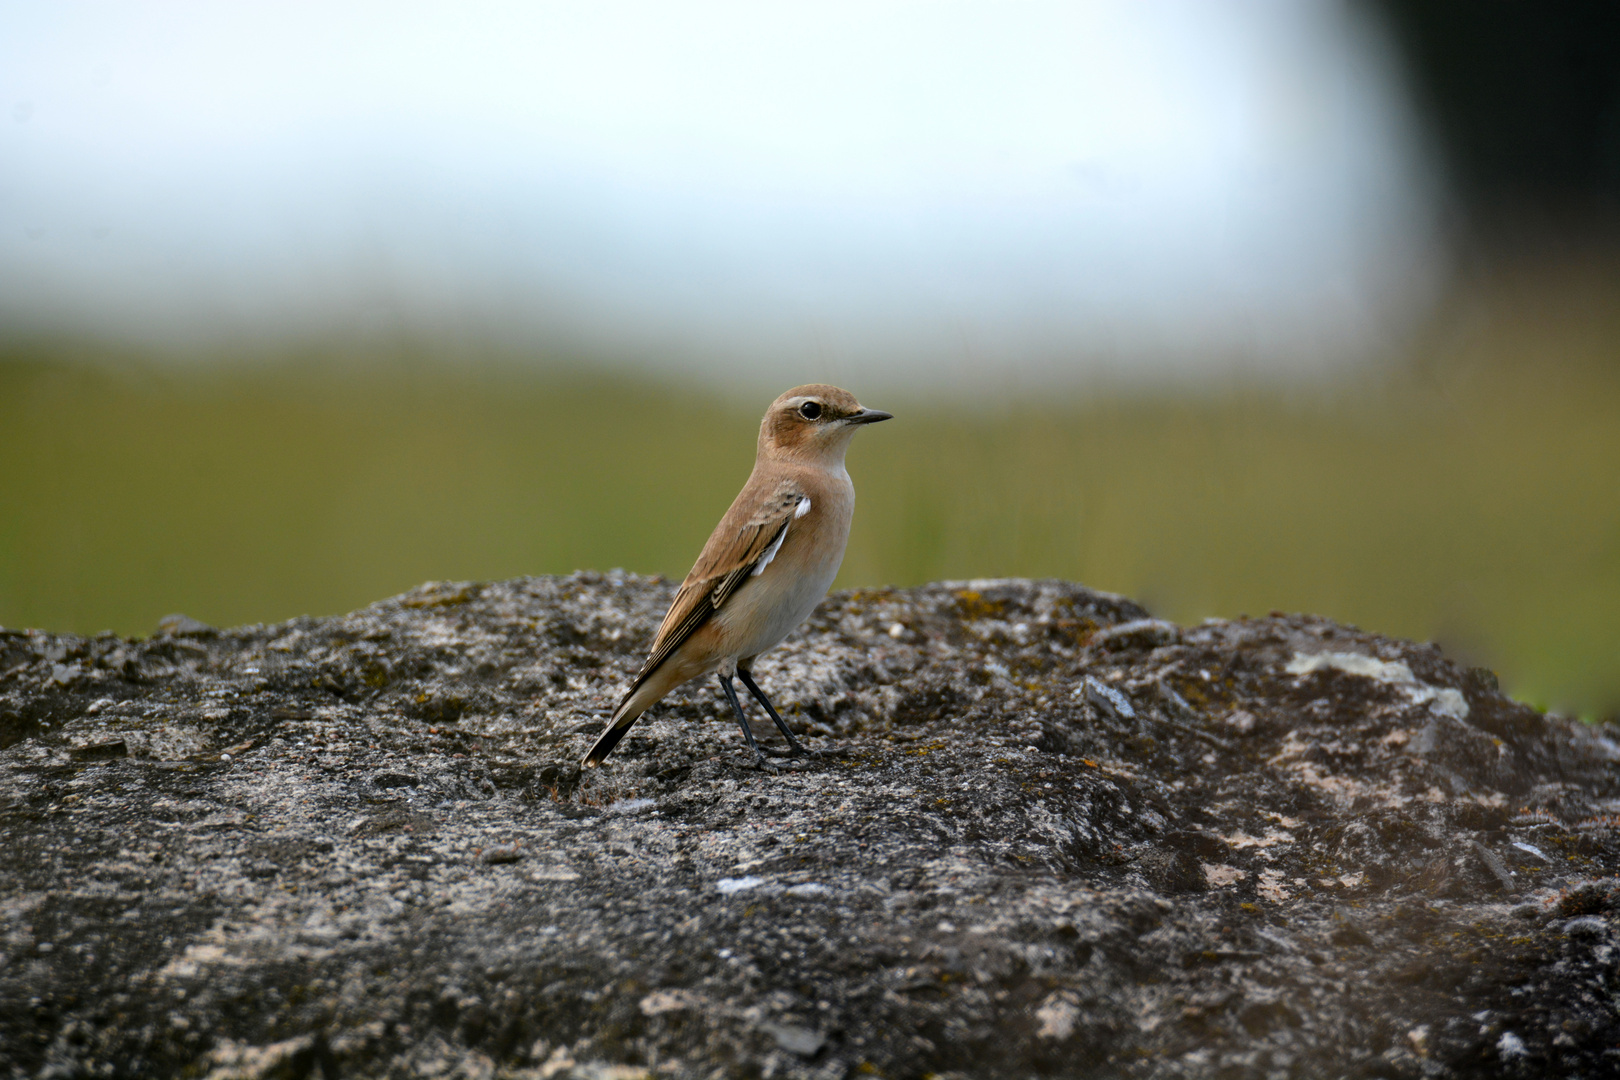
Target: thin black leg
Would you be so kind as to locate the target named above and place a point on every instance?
(753, 688)
(742, 718)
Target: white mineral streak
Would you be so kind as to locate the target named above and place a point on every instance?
(1440, 699)
(1219, 875)
(1271, 886)
(809, 888)
(232, 1059)
(1057, 1014)
(1240, 839)
(667, 1001)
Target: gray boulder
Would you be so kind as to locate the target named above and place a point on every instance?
(1047, 836)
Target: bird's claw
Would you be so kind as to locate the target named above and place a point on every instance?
(798, 751)
(777, 767)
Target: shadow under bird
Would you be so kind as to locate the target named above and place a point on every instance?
(767, 565)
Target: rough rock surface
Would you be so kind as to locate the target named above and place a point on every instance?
(1051, 837)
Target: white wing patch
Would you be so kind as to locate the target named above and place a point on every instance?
(770, 553)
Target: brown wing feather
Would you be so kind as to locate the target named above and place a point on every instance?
(755, 521)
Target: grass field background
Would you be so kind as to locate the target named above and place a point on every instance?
(1467, 491)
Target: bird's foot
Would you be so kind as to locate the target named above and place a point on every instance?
(797, 751)
(792, 762)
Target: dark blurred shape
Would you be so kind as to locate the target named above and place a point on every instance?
(1525, 99)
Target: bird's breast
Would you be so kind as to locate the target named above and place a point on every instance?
(770, 606)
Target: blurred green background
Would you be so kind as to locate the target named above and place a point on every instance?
(1467, 492)
(1229, 308)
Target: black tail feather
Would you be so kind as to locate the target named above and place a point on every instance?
(606, 741)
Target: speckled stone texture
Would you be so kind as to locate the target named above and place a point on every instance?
(1048, 836)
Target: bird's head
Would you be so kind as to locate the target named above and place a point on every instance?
(814, 423)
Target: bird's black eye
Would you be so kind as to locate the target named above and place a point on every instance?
(810, 410)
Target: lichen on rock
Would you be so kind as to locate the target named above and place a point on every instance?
(1047, 835)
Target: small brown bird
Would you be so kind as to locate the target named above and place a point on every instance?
(766, 566)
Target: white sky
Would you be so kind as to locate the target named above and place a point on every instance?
(1017, 191)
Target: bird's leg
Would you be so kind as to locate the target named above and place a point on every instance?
(753, 688)
(742, 718)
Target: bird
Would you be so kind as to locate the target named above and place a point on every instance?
(766, 566)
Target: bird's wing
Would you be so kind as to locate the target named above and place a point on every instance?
(743, 544)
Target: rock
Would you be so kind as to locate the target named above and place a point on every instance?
(178, 625)
(1047, 835)
(795, 1040)
(502, 853)
(1587, 927)
(1137, 633)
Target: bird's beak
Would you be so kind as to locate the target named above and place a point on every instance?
(868, 416)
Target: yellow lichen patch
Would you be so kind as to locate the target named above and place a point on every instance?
(438, 594)
(973, 605)
(925, 749)
(869, 595)
(1078, 631)
(1199, 693)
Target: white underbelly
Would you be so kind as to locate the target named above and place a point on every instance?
(769, 607)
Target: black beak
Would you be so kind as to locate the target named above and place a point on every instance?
(868, 416)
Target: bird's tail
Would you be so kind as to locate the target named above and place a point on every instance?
(606, 741)
(636, 701)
